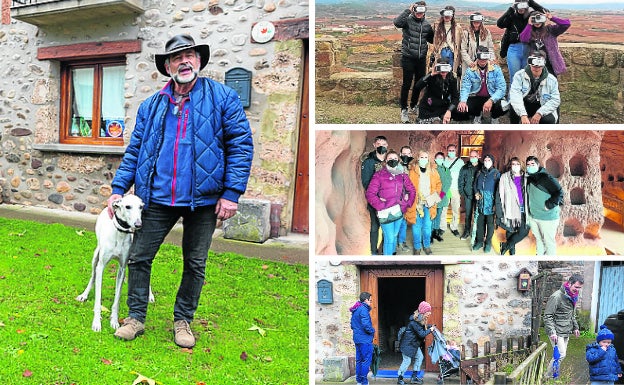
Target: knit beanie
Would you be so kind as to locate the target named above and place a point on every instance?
(603, 334)
(425, 307)
(489, 156)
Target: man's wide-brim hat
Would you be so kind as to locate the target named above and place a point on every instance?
(180, 43)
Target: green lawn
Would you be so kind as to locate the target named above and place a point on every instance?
(47, 338)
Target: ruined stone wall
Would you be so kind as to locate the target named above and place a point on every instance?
(480, 304)
(29, 97)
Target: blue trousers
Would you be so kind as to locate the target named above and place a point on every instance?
(158, 220)
(363, 360)
(418, 359)
(516, 58)
(402, 231)
(390, 232)
(421, 230)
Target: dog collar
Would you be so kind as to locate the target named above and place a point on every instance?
(121, 225)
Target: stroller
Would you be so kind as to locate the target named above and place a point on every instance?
(449, 356)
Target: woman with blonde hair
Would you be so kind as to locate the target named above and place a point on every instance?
(474, 36)
(412, 343)
(420, 215)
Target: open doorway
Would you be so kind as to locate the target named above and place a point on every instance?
(398, 298)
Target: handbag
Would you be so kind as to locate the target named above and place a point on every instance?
(390, 214)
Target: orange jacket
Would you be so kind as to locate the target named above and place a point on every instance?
(436, 187)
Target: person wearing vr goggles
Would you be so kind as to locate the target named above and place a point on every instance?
(514, 21)
(542, 36)
(534, 93)
(447, 39)
(441, 95)
(417, 32)
(482, 89)
(474, 36)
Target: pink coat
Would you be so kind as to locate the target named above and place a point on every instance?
(386, 190)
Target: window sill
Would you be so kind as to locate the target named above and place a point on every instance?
(80, 149)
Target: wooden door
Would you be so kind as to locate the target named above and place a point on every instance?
(300, 222)
(434, 293)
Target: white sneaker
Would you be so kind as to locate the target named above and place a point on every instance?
(505, 105)
(414, 110)
(477, 120)
(404, 116)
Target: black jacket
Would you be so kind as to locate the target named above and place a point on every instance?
(370, 165)
(467, 175)
(514, 22)
(440, 95)
(416, 34)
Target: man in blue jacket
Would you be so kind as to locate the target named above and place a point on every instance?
(189, 157)
(363, 333)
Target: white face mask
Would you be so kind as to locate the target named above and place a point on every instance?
(515, 168)
(487, 164)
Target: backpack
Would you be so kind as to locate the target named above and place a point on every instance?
(401, 333)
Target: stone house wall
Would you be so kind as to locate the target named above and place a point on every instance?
(35, 172)
(481, 304)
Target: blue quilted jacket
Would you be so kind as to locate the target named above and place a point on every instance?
(222, 145)
(603, 365)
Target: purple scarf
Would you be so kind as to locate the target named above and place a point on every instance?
(573, 298)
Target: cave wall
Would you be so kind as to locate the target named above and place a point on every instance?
(573, 157)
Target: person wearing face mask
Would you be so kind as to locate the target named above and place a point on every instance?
(428, 193)
(388, 187)
(373, 162)
(417, 32)
(544, 195)
(510, 207)
(482, 89)
(467, 176)
(445, 177)
(485, 187)
(454, 164)
(534, 94)
(514, 20)
(406, 158)
(542, 36)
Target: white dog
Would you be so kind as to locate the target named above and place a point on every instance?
(114, 236)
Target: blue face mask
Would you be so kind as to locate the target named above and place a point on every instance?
(532, 169)
(423, 162)
(439, 161)
(474, 160)
(451, 154)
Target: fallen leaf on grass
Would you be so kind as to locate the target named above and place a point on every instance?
(243, 356)
(106, 361)
(56, 300)
(17, 234)
(261, 331)
(141, 379)
(80, 233)
(27, 373)
(264, 267)
(186, 350)
(20, 331)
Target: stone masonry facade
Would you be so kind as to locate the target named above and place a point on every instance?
(481, 303)
(36, 171)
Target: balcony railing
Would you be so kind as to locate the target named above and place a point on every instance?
(60, 12)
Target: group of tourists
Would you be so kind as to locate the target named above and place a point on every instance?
(454, 72)
(402, 189)
(559, 324)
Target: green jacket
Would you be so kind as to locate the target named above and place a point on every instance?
(559, 315)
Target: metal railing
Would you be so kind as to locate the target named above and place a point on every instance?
(27, 3)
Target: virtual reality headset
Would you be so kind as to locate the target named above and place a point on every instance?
(476, 18)
(447, 12)
(536, 61)
(443, 67)
(521, 5)
(538, 18)
(485, 56)
(420, 9)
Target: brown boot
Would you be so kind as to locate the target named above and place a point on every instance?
(130, 329)
(182, 334)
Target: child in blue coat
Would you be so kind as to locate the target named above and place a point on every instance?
(604, 367)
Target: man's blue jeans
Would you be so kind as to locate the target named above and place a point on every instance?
(198, 227)
(363, 360)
